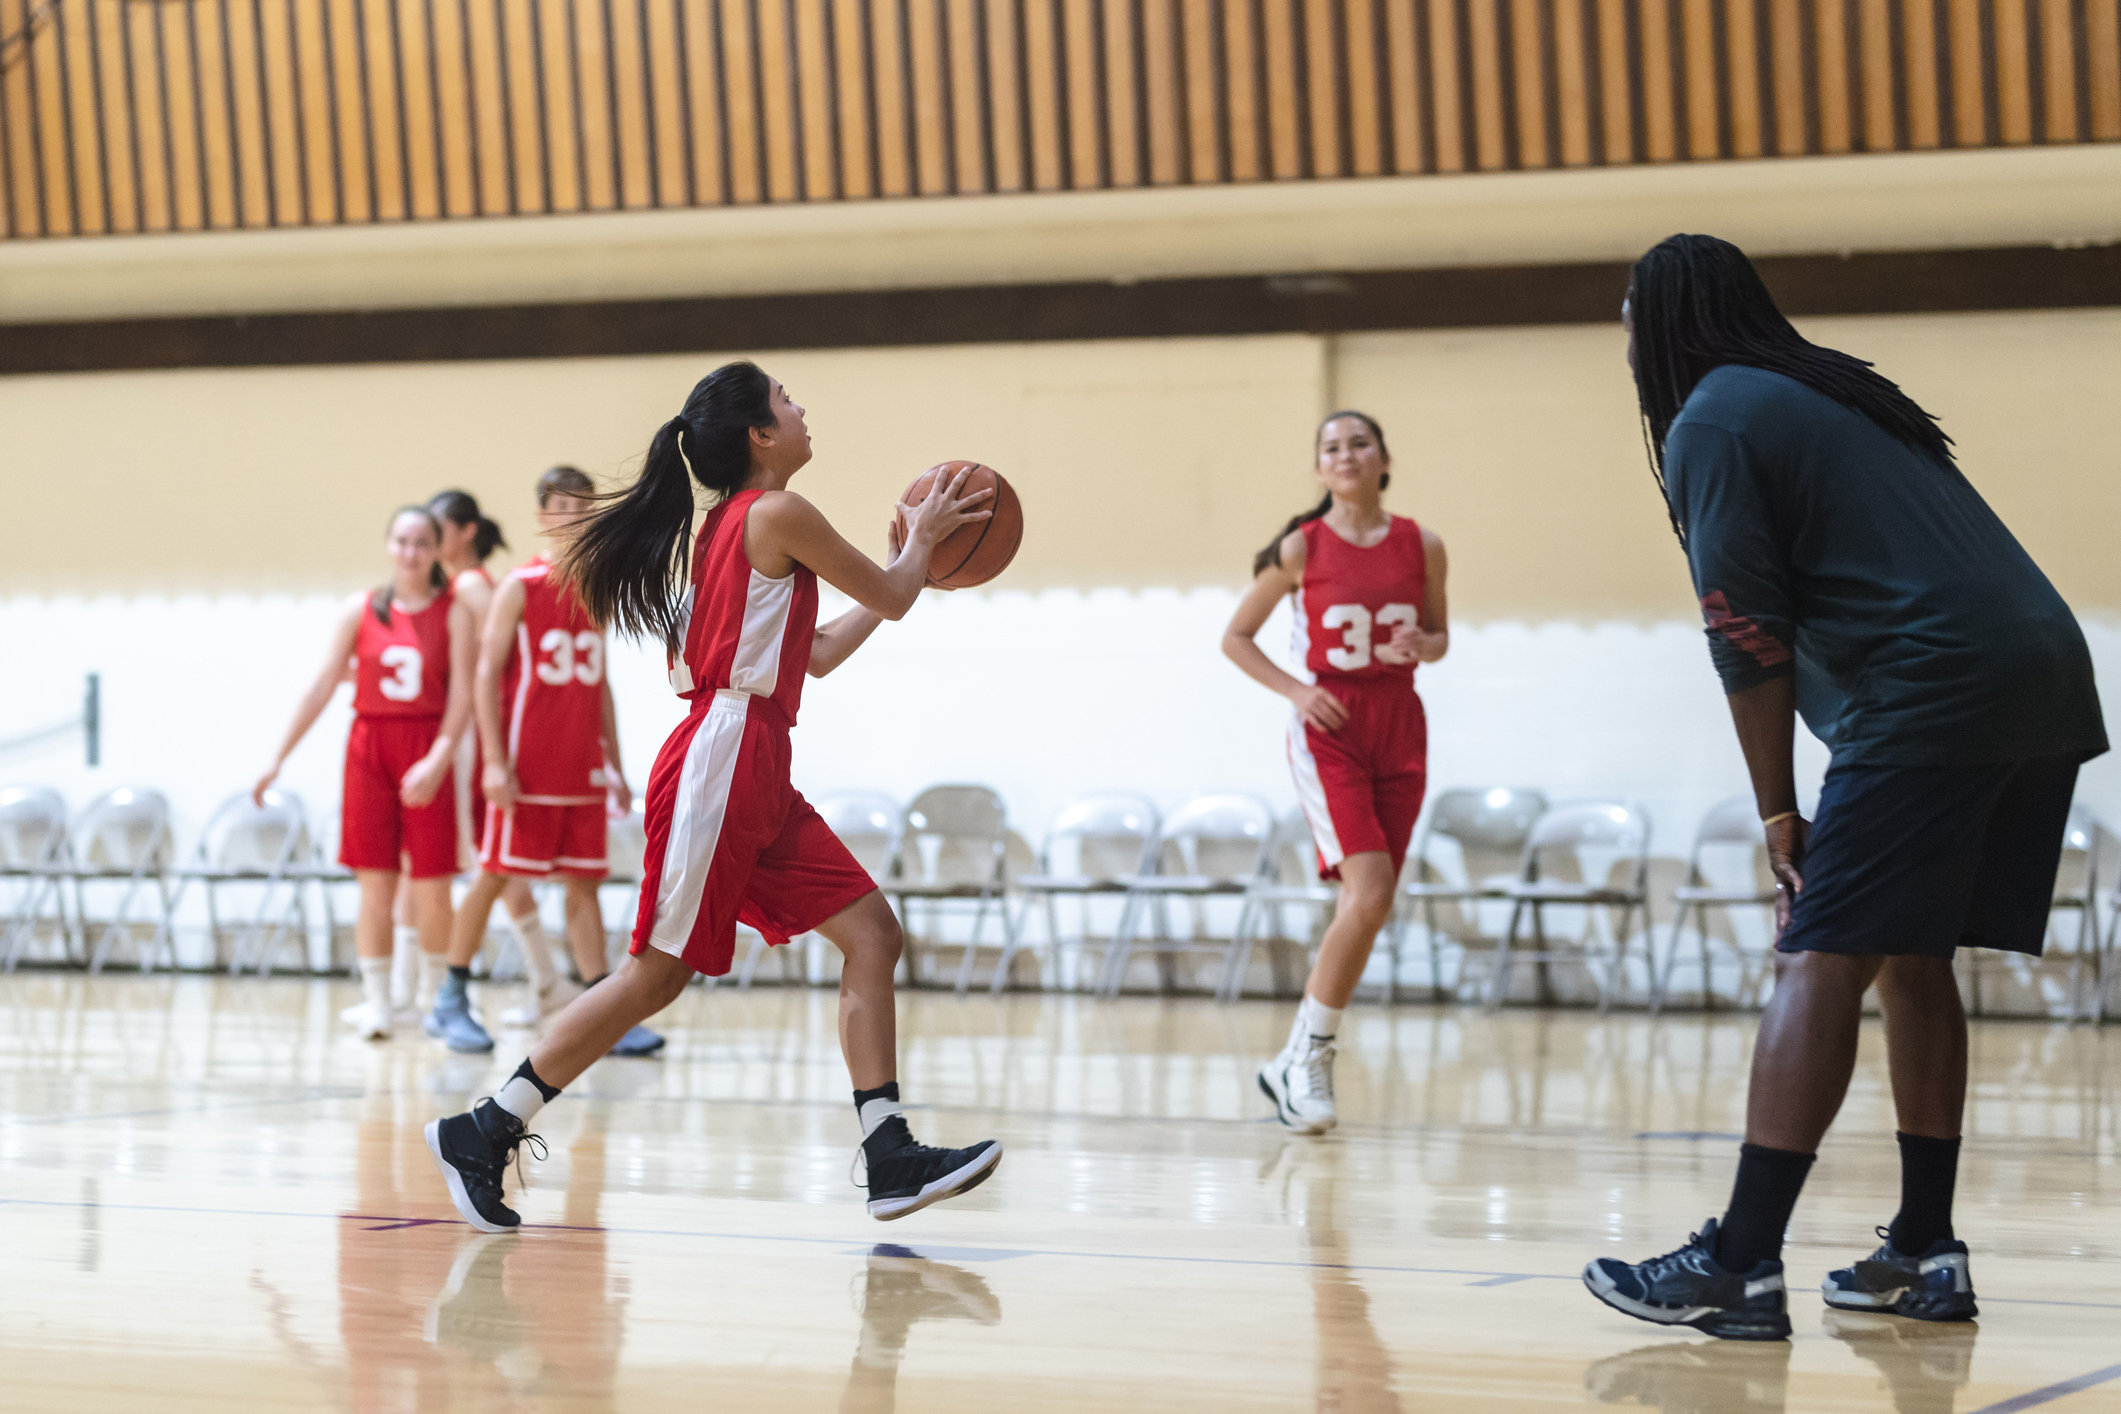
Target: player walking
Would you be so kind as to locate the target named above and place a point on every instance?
(729, 837)
(1368, 606)
(545, 714)
(411, 643)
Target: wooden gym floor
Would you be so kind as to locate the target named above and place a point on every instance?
(212, 1197)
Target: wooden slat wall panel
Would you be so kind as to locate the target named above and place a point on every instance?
(125, 116)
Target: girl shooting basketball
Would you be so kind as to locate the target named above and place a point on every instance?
(1368, 607)
(729, 838)
(411, 643)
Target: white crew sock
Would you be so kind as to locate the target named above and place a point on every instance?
(537, 950)
(521, 1098)
(434, 966)
(375, 983)
(405, 965)
(1313, 1019)
(876, 1111)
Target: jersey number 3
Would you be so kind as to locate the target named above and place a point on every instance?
(562, 665)
(1356, 625)
(403, 682)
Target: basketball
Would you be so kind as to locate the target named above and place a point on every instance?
(974, 553)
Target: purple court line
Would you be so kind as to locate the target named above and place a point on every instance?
(2032, 1398)
(390, 1223)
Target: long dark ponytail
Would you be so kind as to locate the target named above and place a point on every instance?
(462, 508)
(629, 561)
(1697, 303)
(379, 602)
(1271, 555)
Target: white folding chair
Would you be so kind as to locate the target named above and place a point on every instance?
(123, 837)
(34, 856)
(1092, 847)
(954, 851)
(1287, 882)
(1212, 847)
(246, 843)
(1553, 876)
(868, 825)
(1731, 836)
(1486, 829)
(2076, 892)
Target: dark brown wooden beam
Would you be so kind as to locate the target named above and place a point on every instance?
(1911, 282)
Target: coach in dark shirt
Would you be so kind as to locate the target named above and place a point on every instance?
(1847, 571)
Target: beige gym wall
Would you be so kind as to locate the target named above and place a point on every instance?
(1140, 462)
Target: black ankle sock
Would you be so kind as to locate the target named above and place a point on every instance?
(893, 1134)
(887, 1091)
(524, 1072)
(588, 982)
(1929, 1170)
(460, 975)
(1762, 1199)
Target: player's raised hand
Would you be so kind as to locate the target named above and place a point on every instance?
(1319, 707)
(945, 508)
(498, 783)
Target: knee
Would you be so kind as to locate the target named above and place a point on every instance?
(1367, 905)
(663, 979)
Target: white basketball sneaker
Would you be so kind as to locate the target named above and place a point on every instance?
(543, 1003)
(1300, 1083)
(369, 1021)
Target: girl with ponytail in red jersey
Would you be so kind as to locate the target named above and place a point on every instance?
(411, 643)
(1367, 591)
(729, 838)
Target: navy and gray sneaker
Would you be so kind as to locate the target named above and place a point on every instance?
(1690, 1287)
(1934, 1286)
(474, 1151)
(905, 1177)
(639, 1041)
(452, 1023)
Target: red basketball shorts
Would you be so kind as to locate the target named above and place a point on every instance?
(731, 841)
(544, 841)
(375, 826)
(1361, 786)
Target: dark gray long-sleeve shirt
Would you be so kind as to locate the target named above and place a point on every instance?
(1918, 629)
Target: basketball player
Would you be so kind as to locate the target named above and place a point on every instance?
(1848, 571)
(729, 837)
(545, 713)
(411, 643)
(469, 538)
(1368, 606)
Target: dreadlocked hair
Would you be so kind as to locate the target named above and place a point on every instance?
(1697, 303)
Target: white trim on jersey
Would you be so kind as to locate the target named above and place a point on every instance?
(1311, 793)
(696, 815)
(1300, 640)
(525, 666)
(756, 667)
(559, 800)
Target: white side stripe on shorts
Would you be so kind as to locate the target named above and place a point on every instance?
(1311, 792)
(696, 817)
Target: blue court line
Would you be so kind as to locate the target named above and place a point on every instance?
(2033, 1398)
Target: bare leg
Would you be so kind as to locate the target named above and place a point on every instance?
(431, 914)
(585, 929)
(374, 933)
(1806, 1049)
(867, 934)
(516, 894)
(1367, 883)
(472, 917)
(1925, 1044)
(595, 1021)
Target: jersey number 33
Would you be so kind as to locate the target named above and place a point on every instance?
(1356, 624)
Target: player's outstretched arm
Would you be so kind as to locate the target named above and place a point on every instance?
(424, 780)
(313, 701)
(783, 530)
(1241, 639)
(496, 645)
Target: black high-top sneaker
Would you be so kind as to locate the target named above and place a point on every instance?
(1934, 1286)
(474, 1151)
(1690, 1287)
(905, 1177)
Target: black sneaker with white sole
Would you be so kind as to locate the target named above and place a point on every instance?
(1934, 1286)
(474, 1151)
(905, 1177)
(1690, 1287)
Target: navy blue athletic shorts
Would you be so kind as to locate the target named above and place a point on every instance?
(1925, 859)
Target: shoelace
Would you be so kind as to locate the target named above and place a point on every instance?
(536, 1144)
(1673, 1260)
(1318, 1068)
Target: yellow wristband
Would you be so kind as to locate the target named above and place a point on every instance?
(1777, 819)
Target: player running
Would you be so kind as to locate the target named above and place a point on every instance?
(1369, 606)
(550, 732)
(729, 838)
(411, 643)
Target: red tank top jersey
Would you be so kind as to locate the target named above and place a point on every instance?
(554, 711)
(744, 633)
(401, 669)
(1352, 600)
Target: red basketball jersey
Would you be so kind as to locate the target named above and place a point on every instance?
(553, 694)
(401, 669)
(745, 633)
(1352, 599)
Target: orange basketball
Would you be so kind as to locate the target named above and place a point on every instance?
(974, 553)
